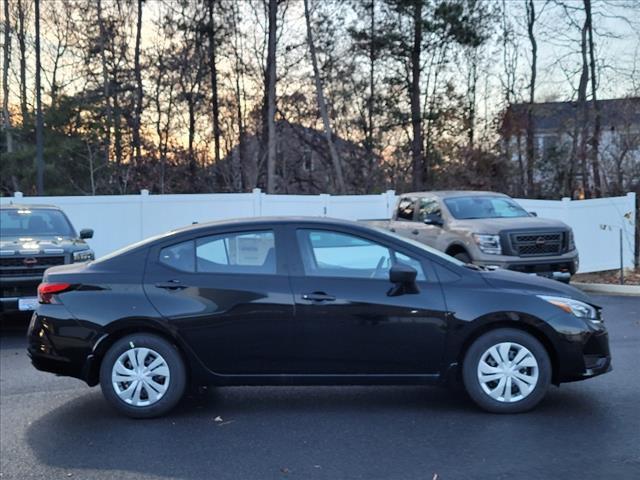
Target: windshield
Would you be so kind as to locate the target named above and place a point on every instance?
(464, 208)
(27, 222)
(423, 247)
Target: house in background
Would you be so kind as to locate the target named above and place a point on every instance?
(558, 129)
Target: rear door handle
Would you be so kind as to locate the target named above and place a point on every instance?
(318, 297)
(171, 285)
(415, 232)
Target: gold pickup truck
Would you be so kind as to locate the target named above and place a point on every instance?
(486, 229)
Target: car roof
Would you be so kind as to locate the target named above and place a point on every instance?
(454, 194)
(273, 220)
(23, 206)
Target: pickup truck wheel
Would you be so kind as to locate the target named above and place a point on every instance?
(463, 257)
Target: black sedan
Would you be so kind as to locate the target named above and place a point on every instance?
(304, 301)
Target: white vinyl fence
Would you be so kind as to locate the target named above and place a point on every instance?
(118, 220)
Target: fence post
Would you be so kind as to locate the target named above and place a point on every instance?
(257, 202)
(633, 215)
(144, 195)
(391, 202)
(566, 209)
(326, 198)
(17, 194)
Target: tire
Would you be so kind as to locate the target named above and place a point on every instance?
(463, 257)
(529, 383)
(146, 395)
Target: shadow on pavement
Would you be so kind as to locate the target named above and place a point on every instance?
(251, 432)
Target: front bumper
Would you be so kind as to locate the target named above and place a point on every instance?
(11, 291)
(559, 267)
(583, 355)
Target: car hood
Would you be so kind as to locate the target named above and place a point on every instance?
(39, 245)
(533, 284)
(496, 225)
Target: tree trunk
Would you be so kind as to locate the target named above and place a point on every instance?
(248, 179)
(530, 150)
(417, 160)
(595, 139)
(214, 83)
(335, 159)
(138, 76)
(39, 120)
(5, 79)
(583, 114)
(191, 153)
(271, 98)
(106, 90)
(23, 65)
(371, 99)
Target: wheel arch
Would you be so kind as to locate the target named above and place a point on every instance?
(456, 248)
(120, 330)
(527, 324)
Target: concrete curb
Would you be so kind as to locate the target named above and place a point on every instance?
(608, 289)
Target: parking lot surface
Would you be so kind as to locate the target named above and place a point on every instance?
(54, 427)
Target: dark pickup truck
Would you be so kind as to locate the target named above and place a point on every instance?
(32, 239)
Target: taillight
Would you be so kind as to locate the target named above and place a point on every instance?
(47, 290)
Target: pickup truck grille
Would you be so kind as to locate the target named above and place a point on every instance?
(29, 265)
(530, 244)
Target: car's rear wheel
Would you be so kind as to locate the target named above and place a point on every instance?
(143, 375)
(506, 371)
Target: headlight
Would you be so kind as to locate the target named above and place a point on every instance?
(571, 244)
(488, 243)
(83, 256)
(575, 307)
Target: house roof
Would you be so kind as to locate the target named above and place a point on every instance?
(555, 116)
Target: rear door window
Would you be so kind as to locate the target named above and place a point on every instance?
(405, 208)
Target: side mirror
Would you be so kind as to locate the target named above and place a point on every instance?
(434, 219)
(86, 233)
(533, 214)
(404, 279)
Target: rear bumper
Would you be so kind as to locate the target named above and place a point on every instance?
(53, 352)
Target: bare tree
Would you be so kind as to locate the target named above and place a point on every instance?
(595, 139)
(271, 97)
(23, 62)
(213, 67)
(530, 151)
(106, 87)
(6, 116)
(137, 118)
(39, 119)
(417, 159)
(322, 106)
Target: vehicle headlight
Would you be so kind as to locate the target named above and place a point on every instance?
(575, 307)
(488, 243)
(571, 244)
(83, 256)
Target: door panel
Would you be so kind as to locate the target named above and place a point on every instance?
(230, 308)
(350, 325)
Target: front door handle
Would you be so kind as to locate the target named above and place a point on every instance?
(318, 297)
(171, 285)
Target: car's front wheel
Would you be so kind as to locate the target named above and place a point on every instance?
(143, 375)
(506, 371)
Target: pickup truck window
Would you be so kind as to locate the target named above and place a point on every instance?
(405, 209)
(428, 206)
(465, 208)
(34, 222)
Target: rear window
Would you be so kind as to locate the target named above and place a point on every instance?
(245, 252)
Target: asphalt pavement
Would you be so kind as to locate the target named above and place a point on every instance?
(53, 427)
